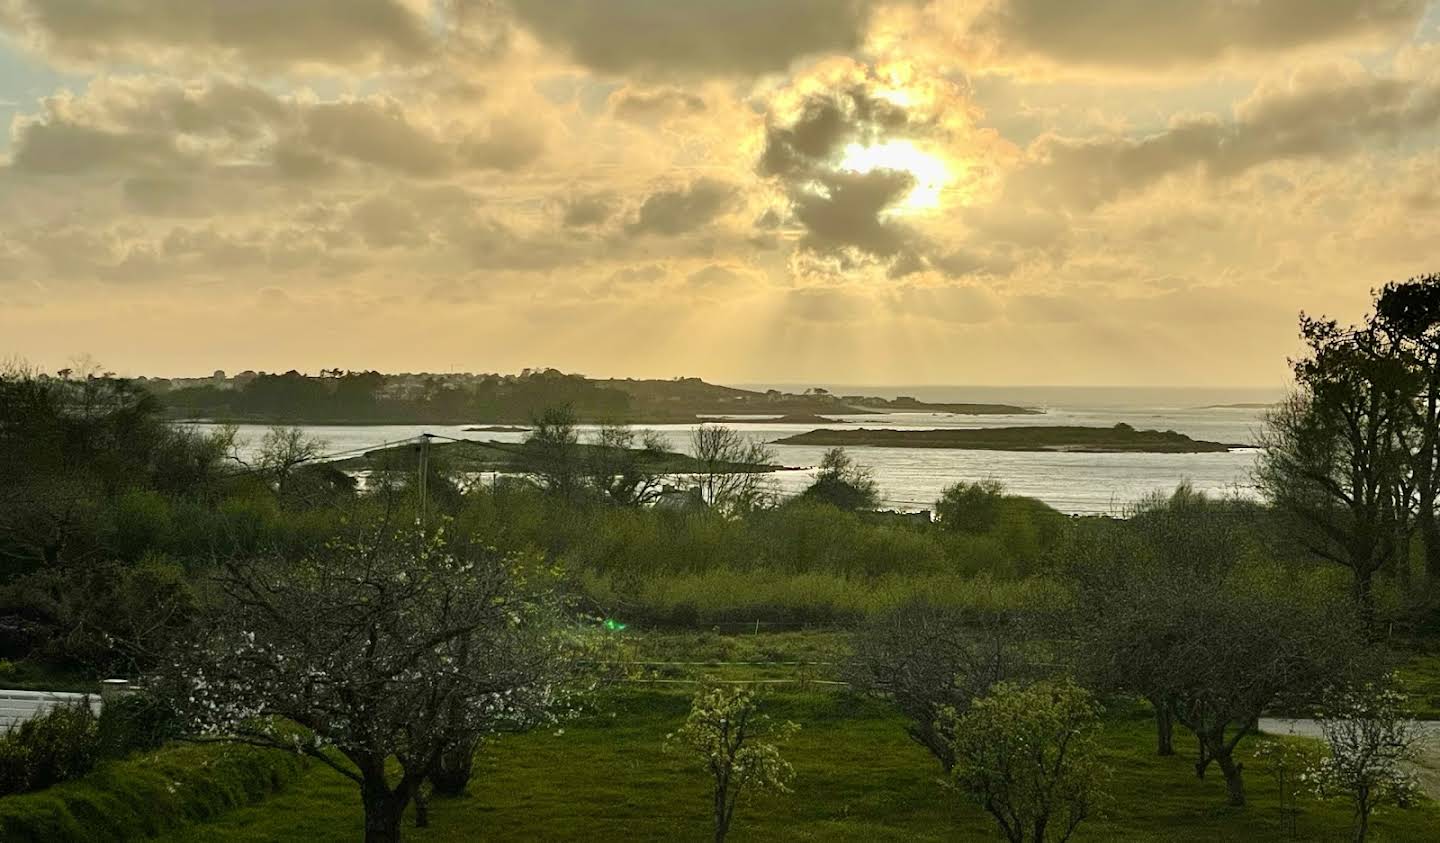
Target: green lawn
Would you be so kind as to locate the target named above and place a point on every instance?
(858, 778)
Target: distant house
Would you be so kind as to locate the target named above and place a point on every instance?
(888, 516)
(671, 497)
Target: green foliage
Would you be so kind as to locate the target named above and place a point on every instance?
(1028, 756)
(970, 507)
(739, 746)
(136, 722)
(843, 484)
(61, 744)
(144, 796)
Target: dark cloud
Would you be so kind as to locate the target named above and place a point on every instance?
(378, 132)
(385, 222)
(842, 211)
(643, 105)
(1145, 34)
(258, 32)
(1323, 112)
(680, 210)
(699, 36)
(58, 146)
(588, 210)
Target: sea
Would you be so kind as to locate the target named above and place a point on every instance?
(910, 479)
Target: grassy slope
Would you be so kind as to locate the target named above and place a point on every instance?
(859, 778)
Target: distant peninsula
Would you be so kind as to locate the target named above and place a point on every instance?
(496, 400)
(1120, 439)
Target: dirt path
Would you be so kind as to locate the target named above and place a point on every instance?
(1427, 769)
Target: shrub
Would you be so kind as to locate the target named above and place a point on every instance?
(56, 746)
(136, 723)
(147, 795)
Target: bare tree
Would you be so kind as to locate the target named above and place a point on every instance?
(285, 449)
(623, 465)
(927, 659)
(726, 468)
(387, 648)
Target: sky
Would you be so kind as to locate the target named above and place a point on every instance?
(842, 191)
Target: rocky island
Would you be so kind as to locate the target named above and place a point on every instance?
(1120, 439)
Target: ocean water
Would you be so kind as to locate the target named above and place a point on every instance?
(912, 478)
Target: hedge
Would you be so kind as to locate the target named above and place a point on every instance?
(148, 794)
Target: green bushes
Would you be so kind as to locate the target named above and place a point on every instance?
(125, 800)
(136, 723)
(56, 746)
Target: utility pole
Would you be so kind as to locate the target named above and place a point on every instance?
(424, 463)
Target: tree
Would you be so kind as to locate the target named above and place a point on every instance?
(843, 484)
(1407, 316)
(552, 452)
(739, 747)
(285, 449)
(970, 507)
(1259, 640)
(1369, 741)
(621, 465)
(384, 647)
(1027, 756)
(1334, 457)
(726, 465)
(928, 659)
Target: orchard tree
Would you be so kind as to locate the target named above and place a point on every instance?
(1027, 755)
(927, 659)
(1369, 741)
(387, 649)
(739, 746)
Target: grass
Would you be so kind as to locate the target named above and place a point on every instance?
(858, 778)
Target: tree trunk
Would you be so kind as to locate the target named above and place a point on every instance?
(382, 817)
(1234, 783)
(1164, 728)
(453, 773)
(1430, 537)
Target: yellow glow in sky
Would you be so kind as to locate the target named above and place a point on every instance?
(930, 173)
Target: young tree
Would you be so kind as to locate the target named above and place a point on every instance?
(1027, 756)
(739, 747)
(552, 452)
(970, 507)
(722, 455)
(1369, 741)
(385, 647)
(843, 484)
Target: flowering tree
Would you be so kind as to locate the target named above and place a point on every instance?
(739, 746)
(1369, 741)
(385, 646)
(1027, 756)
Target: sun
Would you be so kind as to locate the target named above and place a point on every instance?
(929, 171)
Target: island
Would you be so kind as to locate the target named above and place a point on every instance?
(510, 458)
(1120, 439)
(498, 428)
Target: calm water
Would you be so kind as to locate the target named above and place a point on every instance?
(913, 478)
